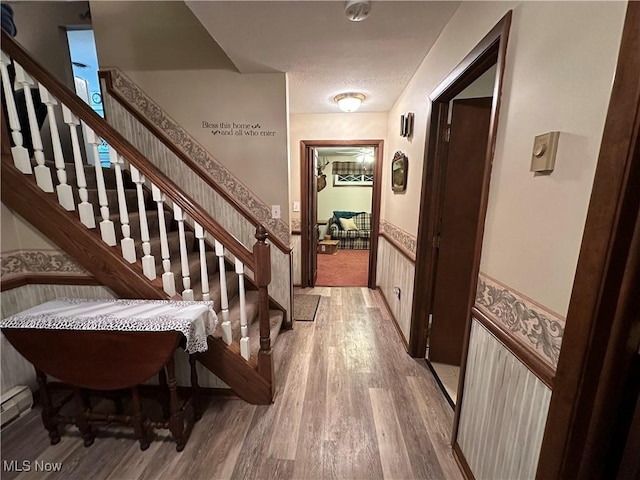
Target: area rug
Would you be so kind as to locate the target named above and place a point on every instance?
(347, 268)
(305, 307)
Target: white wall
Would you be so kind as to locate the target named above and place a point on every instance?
(351, 198)
(201, 90)
(556, 78)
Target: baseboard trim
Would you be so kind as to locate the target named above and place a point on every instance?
(393, 318)
(462, 462)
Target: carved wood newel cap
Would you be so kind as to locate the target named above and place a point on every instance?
(261, 234)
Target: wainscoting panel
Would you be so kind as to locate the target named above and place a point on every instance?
(503, 411)
(223, 212)
(296, 244)
(15, 369)
(395, 270)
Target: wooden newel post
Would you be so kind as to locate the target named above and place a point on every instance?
(262, 255)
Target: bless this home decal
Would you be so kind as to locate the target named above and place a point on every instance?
(237, 129)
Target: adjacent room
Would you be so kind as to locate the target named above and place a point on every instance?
(345, 187)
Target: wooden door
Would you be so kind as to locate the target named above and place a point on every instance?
(313, 218)
(461, 197)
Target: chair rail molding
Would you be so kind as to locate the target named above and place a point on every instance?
(528, 323)
(403, 241)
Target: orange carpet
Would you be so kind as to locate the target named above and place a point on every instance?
(347, 268)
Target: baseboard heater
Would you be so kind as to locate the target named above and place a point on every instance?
(14, 403)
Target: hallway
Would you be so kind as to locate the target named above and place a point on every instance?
(350, 403)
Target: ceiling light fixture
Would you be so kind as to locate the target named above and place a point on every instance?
(357, 10)
(349, 102)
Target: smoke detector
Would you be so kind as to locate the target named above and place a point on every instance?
(357, 10)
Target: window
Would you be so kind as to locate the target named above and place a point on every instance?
(353, 180)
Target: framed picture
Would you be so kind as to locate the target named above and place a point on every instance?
(399, 168)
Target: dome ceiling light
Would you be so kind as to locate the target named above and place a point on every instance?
(357, 10)
(349, 102)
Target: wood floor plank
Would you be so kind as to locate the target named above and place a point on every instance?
(350, 404)
(437, 419)
(393, 452)
(284, 438)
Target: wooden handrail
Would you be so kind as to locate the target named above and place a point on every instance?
(186, 159)
(126, 149)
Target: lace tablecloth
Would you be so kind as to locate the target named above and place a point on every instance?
(195, 320)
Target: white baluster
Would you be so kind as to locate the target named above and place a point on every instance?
(107, 229)
(19, 152)
(187, 293)
(65, 193)
(148, 261)
(85, 209)
(168, 281)
(204, 274)
(43, 173)
(227, 336)
(244, 328)
(127, 244)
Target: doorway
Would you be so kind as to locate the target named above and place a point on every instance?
(340, 171)
(453, 206)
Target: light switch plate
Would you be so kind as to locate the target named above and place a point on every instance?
(296, 206)
(543, 158)
(275, 211)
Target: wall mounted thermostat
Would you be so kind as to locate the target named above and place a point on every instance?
(544, 152)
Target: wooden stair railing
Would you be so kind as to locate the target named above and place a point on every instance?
(132, 269)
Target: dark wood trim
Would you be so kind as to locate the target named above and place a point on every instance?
(393, 318)
(126, 149)
(226, 362)
(589, 403)
(193, 165)
(490, 50)
(25, 198)
(462, 462)
(305, 172)
(296, 232)
(47, 279)
(398, 247)
(533, 362)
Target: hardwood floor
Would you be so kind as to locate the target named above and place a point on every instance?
(350, 404)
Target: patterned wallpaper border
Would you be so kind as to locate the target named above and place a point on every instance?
(188, 145)
(403, 239)
(539, 329)
(296, 225)
(38, 261)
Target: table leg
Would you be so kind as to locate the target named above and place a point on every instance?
(48, 415)
(176, 422)
(139, 420)
(81, 420)
(164, 397)
(195, 388)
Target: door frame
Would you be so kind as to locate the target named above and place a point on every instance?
(589, 413)
(306, 170)
(490, 51)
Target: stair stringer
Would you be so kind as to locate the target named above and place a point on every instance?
(105, 263)
(126, 280)
(241, 375)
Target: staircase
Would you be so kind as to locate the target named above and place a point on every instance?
(135, 230)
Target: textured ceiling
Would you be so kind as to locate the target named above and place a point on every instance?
(322, 52)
